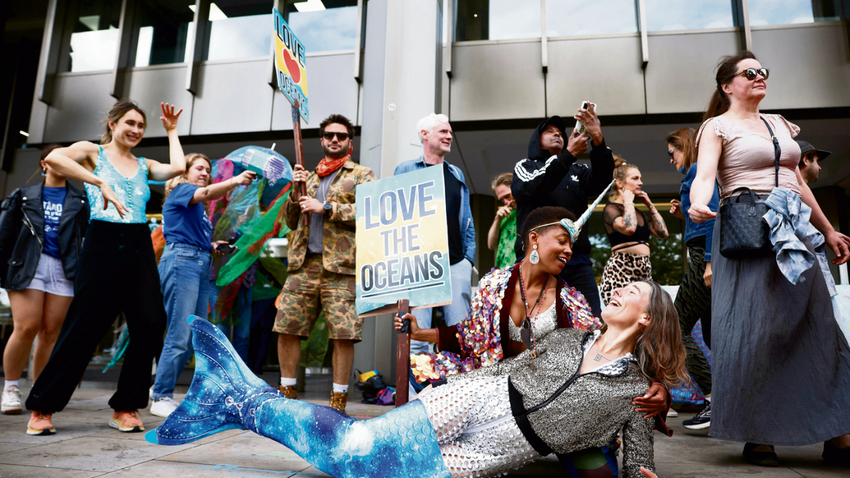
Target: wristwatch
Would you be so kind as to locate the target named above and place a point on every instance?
(328, 208)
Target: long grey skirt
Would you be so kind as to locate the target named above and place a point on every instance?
(781, 366)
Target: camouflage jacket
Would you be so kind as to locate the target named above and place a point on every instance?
(338, 245)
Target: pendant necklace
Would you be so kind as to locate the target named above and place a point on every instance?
(525, 331)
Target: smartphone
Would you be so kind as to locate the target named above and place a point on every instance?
(226, 248)
(579, 128)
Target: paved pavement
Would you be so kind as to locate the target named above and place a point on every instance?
(84, 446)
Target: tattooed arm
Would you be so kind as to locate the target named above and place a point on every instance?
(624, 222)
(656, 225)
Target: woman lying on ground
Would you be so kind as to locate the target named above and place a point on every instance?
(571, 391)
(529, 290)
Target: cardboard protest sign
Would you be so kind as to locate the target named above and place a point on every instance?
(402, 243)
(291, 66)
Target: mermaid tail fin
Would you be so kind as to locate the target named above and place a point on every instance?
(221, 384)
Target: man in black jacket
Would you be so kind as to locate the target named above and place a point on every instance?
(550, 177)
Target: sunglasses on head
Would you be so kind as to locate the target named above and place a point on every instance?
(670, 152)
(329, 136)
(751, 73)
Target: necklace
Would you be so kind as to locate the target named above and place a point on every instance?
(526, 323)
(599, 355)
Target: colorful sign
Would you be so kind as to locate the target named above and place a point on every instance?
(402, 243)
(291, 66)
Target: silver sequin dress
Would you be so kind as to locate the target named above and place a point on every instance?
(589, 413)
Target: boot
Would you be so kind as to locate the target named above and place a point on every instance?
(338, 401)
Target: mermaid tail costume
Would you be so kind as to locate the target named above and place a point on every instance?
(225, 395)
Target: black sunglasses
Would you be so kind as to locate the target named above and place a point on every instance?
(751, 73)
(670, 152)
(330, 136)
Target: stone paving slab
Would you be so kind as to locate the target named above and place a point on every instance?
(9, 471)
(246, 450)
(89, 454)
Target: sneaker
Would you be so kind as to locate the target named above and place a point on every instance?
(163, 407)
(701, 420)
(11, 401)
(338, 401)
(288, 392)
(672, 413)
(40, 424)
(127, 421)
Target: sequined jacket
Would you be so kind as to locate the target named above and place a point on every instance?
(338, 244)
(483, 337)
(560, 411)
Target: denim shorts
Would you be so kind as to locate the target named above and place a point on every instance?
(50, 277)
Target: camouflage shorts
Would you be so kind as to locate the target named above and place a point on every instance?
(312, 287)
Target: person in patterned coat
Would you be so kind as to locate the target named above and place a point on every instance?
(322, 260)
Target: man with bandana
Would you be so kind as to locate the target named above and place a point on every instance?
(322, 260)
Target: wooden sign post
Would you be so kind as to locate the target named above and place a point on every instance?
(301, 190)
(402, 360)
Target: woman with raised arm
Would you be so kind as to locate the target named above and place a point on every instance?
(781, 366)
(628, 230)
(526, 295)
(571, 390)
(184, 268)
(117, 271)
(41, 231)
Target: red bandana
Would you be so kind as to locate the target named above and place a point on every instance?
(327, 166)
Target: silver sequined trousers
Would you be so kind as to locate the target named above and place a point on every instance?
(477, 433)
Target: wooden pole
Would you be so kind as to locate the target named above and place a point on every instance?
(402, 362)
(299, 154)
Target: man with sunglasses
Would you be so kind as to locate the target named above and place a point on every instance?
(322, 260)
(435, 133)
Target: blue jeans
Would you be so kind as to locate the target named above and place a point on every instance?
(452, 313)
(241, 323)
(184, 278)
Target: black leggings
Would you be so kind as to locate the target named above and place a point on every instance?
(693, 302)
(116, 273)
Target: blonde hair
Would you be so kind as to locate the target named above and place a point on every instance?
(621, 169)
(504, 179)
(184, 178)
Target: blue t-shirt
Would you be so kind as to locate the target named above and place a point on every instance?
(53, 200)
(183, 223)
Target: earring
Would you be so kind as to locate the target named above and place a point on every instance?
(534, 257)
(44, 172)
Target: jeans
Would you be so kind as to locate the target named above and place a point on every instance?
(183, 272)
(241, 323)
(263, 313)
(452, 313)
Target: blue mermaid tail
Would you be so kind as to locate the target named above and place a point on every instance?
(225, 394)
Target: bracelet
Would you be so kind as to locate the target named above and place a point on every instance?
(628, 204)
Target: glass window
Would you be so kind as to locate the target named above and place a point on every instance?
(94, 35)
(165, 31)
(496, 19)
(324, 25)
(587, 17)
(240, 29)
(783, 12)
(688, 14)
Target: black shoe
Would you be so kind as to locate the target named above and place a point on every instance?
(836, 456)
(760, 458)
(701, 420)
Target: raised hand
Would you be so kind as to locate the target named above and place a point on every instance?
(414, 326)
(577, 144)
(503, 212)
(169, 117)
(644, 198)
(628, 196)
(245, 178)
(591, 123)
(676, 208)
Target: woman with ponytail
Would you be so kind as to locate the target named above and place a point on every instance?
(628, 230)
(117, 270)
(781, 366)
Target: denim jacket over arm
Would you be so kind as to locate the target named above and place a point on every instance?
(693, 229)
(467, 228)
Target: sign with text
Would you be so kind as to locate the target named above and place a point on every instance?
(291, 66)
(402, 243)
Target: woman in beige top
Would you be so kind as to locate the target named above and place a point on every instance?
(781, 368)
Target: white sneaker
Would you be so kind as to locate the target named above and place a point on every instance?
(11, 401)
(163, 407)
(672, 413)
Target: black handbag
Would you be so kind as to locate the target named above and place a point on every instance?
(743, 232)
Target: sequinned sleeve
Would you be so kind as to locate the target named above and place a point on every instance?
(638, 445)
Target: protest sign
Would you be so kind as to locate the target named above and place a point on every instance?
(291, 66)
(402, 243)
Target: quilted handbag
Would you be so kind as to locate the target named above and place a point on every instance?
(743, 232)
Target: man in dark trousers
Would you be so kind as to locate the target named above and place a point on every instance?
(550, 177)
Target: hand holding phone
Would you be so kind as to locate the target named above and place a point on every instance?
(226, 248)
